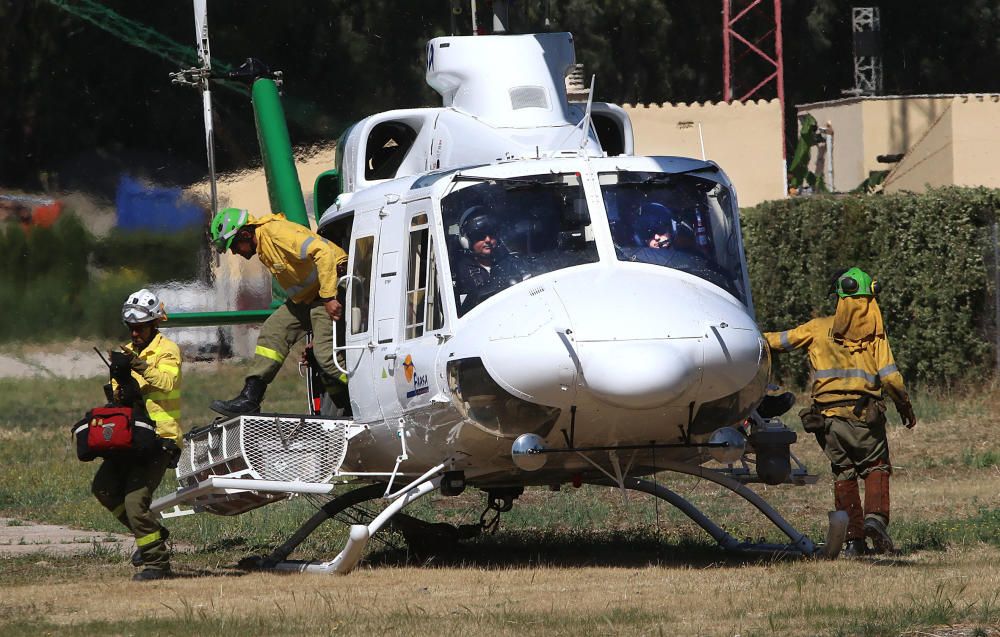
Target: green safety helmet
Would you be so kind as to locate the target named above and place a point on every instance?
(856, 282)
(225, 225)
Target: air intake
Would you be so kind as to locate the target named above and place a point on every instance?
(528, 97)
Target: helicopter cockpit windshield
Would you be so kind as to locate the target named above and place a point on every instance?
(678, 221)
(501, 231)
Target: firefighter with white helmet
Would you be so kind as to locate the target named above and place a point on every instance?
(125, 484)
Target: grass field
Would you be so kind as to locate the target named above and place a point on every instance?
(576, 561)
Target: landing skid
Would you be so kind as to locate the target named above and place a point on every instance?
(800, 543)
(358, 536)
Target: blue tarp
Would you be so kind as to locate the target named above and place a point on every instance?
(143, 207)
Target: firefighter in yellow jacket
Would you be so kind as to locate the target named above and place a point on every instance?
(308, 267)
(852, 370)
(125, 484)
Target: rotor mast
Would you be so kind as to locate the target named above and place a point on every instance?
(199, 77)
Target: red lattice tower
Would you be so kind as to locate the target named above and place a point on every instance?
(751, 52)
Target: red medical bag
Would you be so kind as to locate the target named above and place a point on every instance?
(110, 431)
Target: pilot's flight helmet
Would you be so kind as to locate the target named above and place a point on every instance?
(474, 225)
(653, 217)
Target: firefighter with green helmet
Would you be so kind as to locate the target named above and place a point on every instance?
(308, 267)
(852, 372)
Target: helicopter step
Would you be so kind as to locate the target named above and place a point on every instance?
(232, 466)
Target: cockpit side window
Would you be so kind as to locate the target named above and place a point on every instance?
(502, 231)
(678, 221)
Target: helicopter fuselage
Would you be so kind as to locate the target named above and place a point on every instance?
(586, 331)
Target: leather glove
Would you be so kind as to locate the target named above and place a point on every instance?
(138, 364)
(908, 417)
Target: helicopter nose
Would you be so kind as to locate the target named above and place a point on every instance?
(640, 375)
(658, 338)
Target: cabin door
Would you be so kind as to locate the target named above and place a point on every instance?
(359, 337)
(423, 312)
(387, 303)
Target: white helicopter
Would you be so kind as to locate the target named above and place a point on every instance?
(527, 304)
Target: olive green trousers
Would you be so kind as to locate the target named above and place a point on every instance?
(125, 486)
(285, 327)
(854, 448)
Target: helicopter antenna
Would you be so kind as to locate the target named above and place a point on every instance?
(587, 122)
(199, 77)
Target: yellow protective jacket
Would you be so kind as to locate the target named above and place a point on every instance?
(837, 372)
(304, 263)
(161, 385)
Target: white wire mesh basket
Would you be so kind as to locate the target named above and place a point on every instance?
(261, 447)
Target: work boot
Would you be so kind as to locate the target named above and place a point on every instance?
(854, 549)
(877, 511)
(148, 574)
(137, 554)
(878, 531)
(248, 402)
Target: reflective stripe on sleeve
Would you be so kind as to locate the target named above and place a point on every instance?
(304, 250)
(169, 368)
(845, 373)
(785, 343)
(888, 369)
(146, 540)
(267, 352)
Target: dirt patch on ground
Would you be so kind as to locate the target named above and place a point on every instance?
(19, 538)
(69, 360)
(75, 359)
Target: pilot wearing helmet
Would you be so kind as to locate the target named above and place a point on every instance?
(656, 227)
(146, 376)
(484, 262)
(853, 369)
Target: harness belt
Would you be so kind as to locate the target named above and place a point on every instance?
(859, 404)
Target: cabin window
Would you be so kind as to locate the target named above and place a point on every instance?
(679, 221)
(387, 146)
(423, 299)
(504, 230)
(361, 277)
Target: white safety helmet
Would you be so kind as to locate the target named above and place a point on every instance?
(142, 307)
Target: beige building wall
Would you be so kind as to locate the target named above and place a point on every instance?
(847, 122)
(976, 131)
(928, 163)
(248, 188)
(242, 284)
(946, 139)
(743, 138)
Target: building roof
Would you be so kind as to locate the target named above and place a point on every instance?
(861, 98)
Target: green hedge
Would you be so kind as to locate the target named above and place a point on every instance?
(933, 254)
(61, 281)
